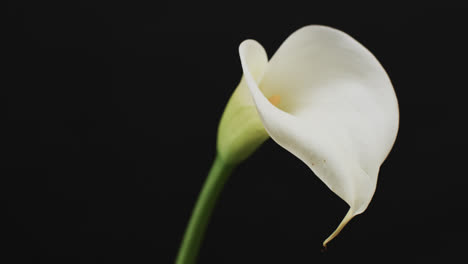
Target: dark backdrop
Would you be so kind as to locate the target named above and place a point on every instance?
(109, 115)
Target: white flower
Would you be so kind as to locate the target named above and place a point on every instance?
(323, 97)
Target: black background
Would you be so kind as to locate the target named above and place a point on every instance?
(109, 115)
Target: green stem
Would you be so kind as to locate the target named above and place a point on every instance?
(201, 214)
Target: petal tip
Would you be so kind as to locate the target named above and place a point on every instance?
(340, 227)
(248, 44)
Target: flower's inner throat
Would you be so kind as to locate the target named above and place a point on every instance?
(275, 100)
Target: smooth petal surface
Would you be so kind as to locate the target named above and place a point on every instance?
(338, 111)
(240, 130)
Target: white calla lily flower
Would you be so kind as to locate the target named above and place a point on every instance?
(323, 97)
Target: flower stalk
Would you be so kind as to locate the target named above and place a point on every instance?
(194, 234)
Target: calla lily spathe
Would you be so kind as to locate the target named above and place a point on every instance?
(323, 97)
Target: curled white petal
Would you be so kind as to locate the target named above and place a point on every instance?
(337, 112)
